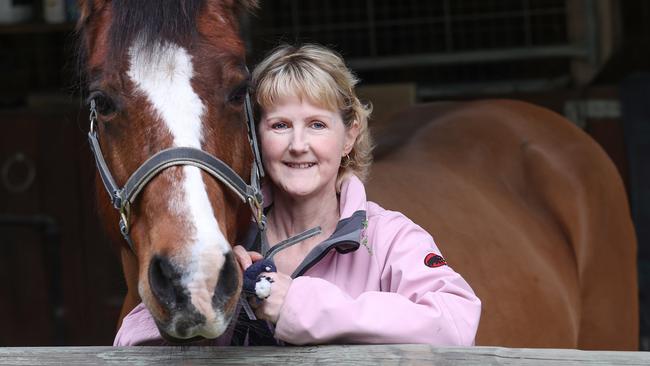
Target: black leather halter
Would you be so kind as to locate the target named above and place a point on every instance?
(122, 198)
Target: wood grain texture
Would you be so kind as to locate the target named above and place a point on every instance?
(325, 355)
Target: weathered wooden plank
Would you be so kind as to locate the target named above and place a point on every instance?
(358, 355)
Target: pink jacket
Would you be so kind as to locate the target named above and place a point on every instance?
(395, 288)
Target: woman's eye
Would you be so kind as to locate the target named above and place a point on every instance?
(318, 125)
(279, 126)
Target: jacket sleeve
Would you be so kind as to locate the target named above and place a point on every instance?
(138, 328)
(417, 303)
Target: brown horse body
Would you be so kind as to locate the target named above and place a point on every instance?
(529, 210)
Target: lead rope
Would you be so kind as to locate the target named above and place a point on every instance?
(292, 241)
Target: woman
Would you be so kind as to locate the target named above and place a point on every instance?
(371, 275)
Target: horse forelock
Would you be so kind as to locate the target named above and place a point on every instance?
(106, 30)
(156, 22)
(153, 22)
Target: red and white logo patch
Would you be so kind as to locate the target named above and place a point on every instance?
(433, 260)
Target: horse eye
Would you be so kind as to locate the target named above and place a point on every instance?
(104, 104)
(238, 94)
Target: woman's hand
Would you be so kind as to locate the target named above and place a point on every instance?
(269, 308)
(245, 258)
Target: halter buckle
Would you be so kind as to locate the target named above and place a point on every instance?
(256, 206)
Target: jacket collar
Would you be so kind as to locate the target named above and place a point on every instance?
(347, 235)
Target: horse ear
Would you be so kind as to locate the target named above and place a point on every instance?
(84, 12)
(86, 8)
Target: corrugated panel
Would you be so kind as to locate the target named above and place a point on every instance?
(450, 40)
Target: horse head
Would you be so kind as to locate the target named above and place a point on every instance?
(167, 74)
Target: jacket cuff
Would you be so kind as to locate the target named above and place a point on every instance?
(288, 328)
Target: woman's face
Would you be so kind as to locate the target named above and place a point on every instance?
(302, 146)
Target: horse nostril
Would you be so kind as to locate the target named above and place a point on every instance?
(228, 280)
(165, 283)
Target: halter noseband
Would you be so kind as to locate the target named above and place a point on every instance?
(122, 198)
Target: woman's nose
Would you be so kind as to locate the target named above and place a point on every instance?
(298, 142)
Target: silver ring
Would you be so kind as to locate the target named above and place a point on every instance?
(263, 287)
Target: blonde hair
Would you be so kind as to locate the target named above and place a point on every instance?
(319, 75)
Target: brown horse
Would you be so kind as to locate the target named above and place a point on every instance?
(529, 209)
(171, 74)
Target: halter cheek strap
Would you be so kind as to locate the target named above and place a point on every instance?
(252, 136)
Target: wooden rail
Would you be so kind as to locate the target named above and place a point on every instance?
(322, 355)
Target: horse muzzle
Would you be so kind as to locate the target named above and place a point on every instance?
(183, 307)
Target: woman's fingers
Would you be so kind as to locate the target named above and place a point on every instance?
(246, 258)
(255, 256)
(243, 257)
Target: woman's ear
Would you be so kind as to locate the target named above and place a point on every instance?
(351, 134)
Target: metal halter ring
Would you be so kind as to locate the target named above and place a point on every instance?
(93, 115)
(125, 213)
(258, 210)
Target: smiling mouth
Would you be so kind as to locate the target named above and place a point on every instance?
(299, 165)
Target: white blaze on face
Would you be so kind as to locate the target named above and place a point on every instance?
(165, 80)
